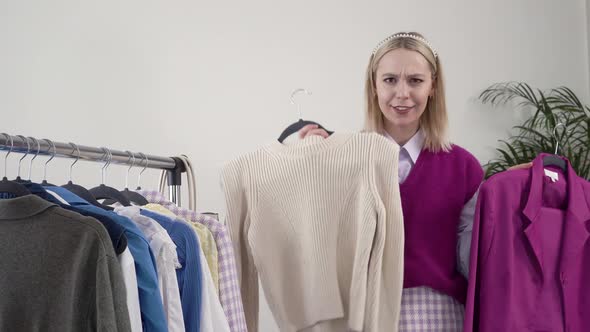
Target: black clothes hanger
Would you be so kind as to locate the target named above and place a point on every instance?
(296, 126)
(25, 140)
(132, 196)
(14, 189)
(79, 190)
(106, 192)
(554, 160)
(51, 146)
(32, 159)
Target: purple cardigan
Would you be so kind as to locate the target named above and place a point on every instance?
(514, 269)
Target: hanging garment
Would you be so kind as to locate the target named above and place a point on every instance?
(320, 223)
(437, 239)
(151, 307)
(206, 240)
(229, 289)
(190, 274)
(167, 262)
(117, 234)
(530, 262)
(132, 289)
(59, 271)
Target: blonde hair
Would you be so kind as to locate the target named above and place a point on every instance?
(434, 120)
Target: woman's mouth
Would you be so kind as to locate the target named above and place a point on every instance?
(402, 109)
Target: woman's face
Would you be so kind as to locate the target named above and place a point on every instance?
(403, 84)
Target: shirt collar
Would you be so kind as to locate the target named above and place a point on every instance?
(413, 146)
(68, 196)
(23, 207)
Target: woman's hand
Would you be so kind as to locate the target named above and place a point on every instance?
(312, 129)
(521, 166)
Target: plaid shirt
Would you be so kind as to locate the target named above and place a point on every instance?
(229, 287)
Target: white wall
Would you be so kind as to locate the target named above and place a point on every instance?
(212, 79)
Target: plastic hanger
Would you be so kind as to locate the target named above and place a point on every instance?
(35, 156)
(44, 183)
(296, 126)
(105, 192)
(13, 188)
(25, 140)
(78, 190)
(132, 196)
(554, 160)
(147, 161)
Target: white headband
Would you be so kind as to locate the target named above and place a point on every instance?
(405, 35)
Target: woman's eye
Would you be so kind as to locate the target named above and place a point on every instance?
(416, 80)
(389, 80)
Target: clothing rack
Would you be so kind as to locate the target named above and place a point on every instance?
(174, 166)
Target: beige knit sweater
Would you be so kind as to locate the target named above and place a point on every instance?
(320, 223)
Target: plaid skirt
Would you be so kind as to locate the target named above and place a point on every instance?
(425, 310)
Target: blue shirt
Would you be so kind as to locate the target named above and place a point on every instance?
(152, 310)
(190, 275)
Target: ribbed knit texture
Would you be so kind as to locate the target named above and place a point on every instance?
(320, 222)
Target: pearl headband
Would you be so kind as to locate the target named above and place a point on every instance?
(405, 35)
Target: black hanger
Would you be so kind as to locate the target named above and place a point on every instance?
(14, 188)
(554, 160)
(79, 190)
(106, 192)
(51, 146)
(86, 195)
(132, 196)
(31, 162)
(296, 126)
(11, 187)
(18, 178)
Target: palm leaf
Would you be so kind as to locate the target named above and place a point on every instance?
(536, 134)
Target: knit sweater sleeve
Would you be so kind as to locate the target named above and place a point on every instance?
(237, 222)
(390, 221)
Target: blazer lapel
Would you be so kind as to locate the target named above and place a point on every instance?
(531, 211)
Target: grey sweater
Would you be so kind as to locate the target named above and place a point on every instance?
(58, 271)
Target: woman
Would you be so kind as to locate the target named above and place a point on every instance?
(405, 102)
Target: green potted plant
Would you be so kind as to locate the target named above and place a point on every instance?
(536, 134)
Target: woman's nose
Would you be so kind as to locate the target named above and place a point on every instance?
(402, 90)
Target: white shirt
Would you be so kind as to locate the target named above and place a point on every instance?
(129, 276)
(408, 154)
(166, 263)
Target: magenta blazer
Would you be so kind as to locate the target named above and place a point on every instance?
(526, 274)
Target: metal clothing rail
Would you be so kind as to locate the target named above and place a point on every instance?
(172, 165)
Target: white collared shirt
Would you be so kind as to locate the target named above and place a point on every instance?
(409, 153)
